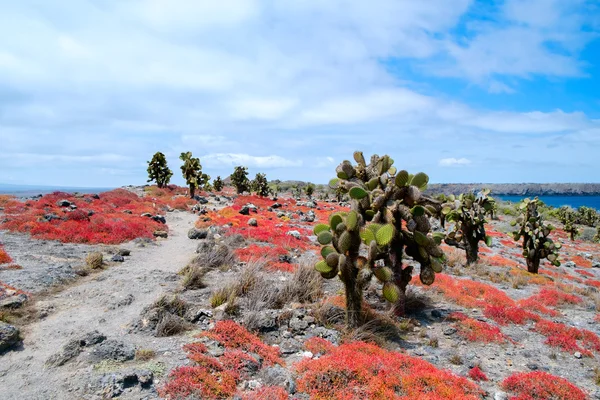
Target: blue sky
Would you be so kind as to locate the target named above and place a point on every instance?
(475, 91)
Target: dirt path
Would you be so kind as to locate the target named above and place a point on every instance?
(91, 304)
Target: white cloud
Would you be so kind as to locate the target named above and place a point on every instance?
(452, 162)
(229, 159)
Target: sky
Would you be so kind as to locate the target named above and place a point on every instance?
(464, 90)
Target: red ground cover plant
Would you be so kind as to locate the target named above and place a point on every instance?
(585, 273)
(4, 257)
(267, 393)
(534, 305)
(114, 217)
(553, 298)
(597, 318)
(477, 331)
(581, 262)
(541, 385)
(509, 315)
(468, 293)
(567, 338)
(477, 374)
(234, 336)
(497, 260)
(317, 345)
(270, 233)
(365, 371)
(593, 282)
(217, 377)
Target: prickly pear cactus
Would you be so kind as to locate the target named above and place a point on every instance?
(388, 217)
(260, 185)
(468, 213)
(568, 218)
(536, 243)
(218, 184)
(597, 235)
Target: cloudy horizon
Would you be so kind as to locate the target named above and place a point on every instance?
(494, 92)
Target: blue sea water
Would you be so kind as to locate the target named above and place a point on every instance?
(31, 190)
(559, 201)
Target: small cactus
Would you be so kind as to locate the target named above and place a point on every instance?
(568, 218)
(218, 184)
(192, 172)
(537, 244)
(239, 179)
(158, 170)
(468, 211)
(388, 218)
(260, 185)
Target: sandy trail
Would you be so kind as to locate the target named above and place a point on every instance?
(86, 306)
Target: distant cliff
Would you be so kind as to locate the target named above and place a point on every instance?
(519, 189)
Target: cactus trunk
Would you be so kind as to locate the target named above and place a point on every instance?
(192, 190)
(353, 292)
(533, 264)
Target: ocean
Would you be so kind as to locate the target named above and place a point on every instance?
(30, 191)
(559, 201)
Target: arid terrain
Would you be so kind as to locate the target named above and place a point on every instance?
(217, 297)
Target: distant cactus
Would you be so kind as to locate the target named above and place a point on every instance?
(192, 172)
(158, 170)
(239, 179)
(468, 213)
(568, 218)
(536, 243)
(218, 184)
(388, 217)
(260, 185)
(309, 190)
(587, 216)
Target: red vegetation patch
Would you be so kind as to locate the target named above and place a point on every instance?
(114, 217)
(585, 273)
(234, 336)
(4, 257)
(267, 393)
(317, 345)
(567, 338)
(499, 261)
(477, 331)
(592, 282)
(477, 374)
(582, 262)
(364, 371)
(513, 315)
(534, 305)
(468, 293)
(553, 298)
(541, 385)
(217, 377)
(200, 381)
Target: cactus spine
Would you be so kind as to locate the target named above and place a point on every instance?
(468, 213)
(536, 243)
(388, 217)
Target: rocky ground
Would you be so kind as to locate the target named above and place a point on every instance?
(119, 331)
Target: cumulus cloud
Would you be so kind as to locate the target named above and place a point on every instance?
(453, 162)
(236, 80)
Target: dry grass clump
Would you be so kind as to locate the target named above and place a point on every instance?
(172, 305)
(379, 328)
(170, 325)
(94, 260)
(144, 354)
(455, 259)
(305, 286)
(193, 277)
(220, 296)
(455, 359)
(213, 255)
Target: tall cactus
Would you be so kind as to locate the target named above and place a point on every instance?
(260, 185)
(388, 217)
(536, 243)
(218, 184)
(468, 213)
(239, 179)
(192, 172)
